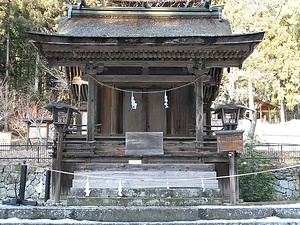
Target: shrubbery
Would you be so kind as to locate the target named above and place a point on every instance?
(257, 187)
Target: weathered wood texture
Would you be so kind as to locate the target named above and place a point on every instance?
(112, 149)
(109, 104)
(147, 176)
(144, 143)
(144, 167)
(156, 113)
(181, 111)
(135, 119)
(92, 107)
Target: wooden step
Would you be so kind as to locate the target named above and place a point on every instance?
(144, 167)
(145, 175)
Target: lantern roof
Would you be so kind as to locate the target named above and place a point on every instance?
(231, 107)
(60, 106)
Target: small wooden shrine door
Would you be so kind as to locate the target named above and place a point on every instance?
(150, 114)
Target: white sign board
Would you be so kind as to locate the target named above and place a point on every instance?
(36, 132)
(5, 139)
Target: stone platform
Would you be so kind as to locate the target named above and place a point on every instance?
(113, 184)
(157, 215)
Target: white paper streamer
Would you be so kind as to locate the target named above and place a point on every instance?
(120, 189)
(202, 182)
(133, 103)
(166, 100)
(87, 188)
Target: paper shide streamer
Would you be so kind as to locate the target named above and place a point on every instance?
(133, 102)
(166, 100)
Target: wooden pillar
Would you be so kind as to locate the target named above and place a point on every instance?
(114, 112)
(233, 178)
(91, 108)
(58, 166)
(199, 110)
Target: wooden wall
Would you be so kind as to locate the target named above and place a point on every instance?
(117, 117)
(182, 115)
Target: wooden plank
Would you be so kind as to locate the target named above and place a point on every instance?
(169, 79)
(156, 113)
(78, 154)
(199, 109)
(78, 148)
(91, 108)
(109, 111)
(147, 184)
(144, 143)
(145, 167)
(134, 120)
(145, 179)
(181, 107)
(114, 122)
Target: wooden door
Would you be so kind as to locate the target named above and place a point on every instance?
(134, 120)
(156, 113)
(149, 116)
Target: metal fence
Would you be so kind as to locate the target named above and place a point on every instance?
(288, 153)
(27, 152)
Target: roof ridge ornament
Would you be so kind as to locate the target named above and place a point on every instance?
(70, 8)
(220, 13)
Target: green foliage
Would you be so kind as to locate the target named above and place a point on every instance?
(16, 18)
(274, 66)
(257, 187)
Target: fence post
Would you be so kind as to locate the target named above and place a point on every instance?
(21, 200)
(281, 151)
(47, 185)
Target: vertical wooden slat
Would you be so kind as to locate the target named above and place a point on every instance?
(156, 113)
(91, 108)
(199, 110)
(109, 113)
(181, 107)
(114, 111)
(134, 119)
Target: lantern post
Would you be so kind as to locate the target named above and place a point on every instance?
(62, 115)
(231, 140)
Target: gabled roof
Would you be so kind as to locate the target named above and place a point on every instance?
(184, 39)
(143, 22)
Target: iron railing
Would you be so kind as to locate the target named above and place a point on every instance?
(283, 152)
(27, 152)
(42, 152)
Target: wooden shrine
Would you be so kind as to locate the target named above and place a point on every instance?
(168, 61)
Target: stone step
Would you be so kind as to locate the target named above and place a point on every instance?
(142, 167)
(128, 201)
(205, 214)
(148, 192)
(145, 179)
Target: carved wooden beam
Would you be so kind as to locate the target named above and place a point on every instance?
(91, 67)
